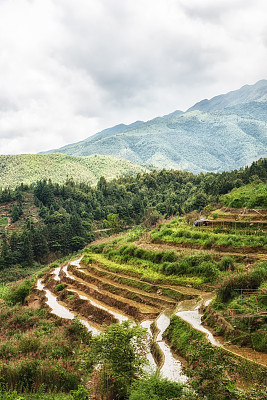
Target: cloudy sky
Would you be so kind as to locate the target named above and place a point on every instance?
(70, 68)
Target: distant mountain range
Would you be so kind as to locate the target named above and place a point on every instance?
(29, 168)
(227, 132)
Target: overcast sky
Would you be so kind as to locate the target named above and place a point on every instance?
(70, 68)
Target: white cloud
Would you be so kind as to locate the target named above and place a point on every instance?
(72, 67)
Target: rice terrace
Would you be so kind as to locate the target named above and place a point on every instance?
(186, 302)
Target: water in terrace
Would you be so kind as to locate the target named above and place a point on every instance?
(187, 310)
(193, 317)
(60, 310)
(118, 316)
(152, 366)
(172, 367)
(190, 312)
(56, 273)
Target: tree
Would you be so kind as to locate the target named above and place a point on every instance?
(113, 222)
(121, 351)
(26, 248)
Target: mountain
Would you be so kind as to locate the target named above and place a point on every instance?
(224, 133)
(29, 168)
(246, 94)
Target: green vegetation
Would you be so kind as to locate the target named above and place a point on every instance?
(157, 388)
(213, 370)
(245, 280)
(3, 221)
(49, 220)
(41, 352)
(143, 268)
(30, 168)
(121, 350)
(180, 232)
(250, 196)
(146, 272)
(241, 304)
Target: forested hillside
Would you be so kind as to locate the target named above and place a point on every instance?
(48, 220)
(29, 168)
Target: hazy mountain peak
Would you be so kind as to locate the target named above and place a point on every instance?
(245, 94)
(224, 133)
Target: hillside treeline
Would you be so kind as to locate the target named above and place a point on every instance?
(67, 212)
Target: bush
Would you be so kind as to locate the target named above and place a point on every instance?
(168, 268)
(80, 394)
(60, 287)
(226, 263)
(19, 293)
(169, 256)
(259, 340)
(155, 388)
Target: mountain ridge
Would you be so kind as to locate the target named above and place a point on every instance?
(205, 138)
(234, 97)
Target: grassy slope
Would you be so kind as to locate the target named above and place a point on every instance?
(29, 168)
(253, 195)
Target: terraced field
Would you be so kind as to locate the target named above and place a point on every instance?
(227, 230)
(98, 296)
(148, 281)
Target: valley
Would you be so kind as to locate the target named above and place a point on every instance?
(101, 287)
(191, 296)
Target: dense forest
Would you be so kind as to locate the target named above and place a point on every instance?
(70, 213)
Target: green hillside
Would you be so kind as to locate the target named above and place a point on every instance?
(29, 168)
(226, 133)
(253, 195)
(199, 290)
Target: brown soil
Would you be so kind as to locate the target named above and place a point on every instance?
(126, 306)
(155, 288)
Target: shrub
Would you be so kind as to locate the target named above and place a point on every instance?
(169, 256)
(28, 344)
(78, 332)
(80, 394)
(60, 287)
(168, 268)
(259, 340)
(155, 388)
(19, 293)
(226, 263)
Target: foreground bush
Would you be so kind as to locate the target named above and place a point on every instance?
(155, 388)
